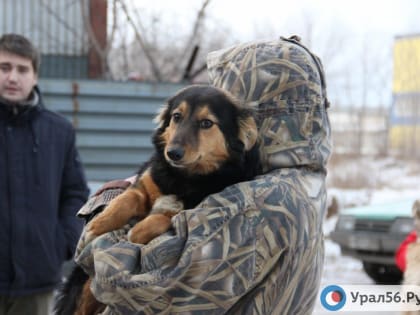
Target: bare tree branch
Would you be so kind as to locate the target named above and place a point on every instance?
(192, 40)
(155, 69)
(59, 19)
(156, 55)
(114, 25)
(139, 23)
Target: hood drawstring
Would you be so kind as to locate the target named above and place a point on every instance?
(36, 157)
(35, 101)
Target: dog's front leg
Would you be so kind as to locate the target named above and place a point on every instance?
(136, 201)
(149, 228)
(129, 204)
(158, 221)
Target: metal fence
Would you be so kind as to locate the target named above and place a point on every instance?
(114, 121)
(60, 38)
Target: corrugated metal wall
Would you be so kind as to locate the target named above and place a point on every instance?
(60, 38)
(114, 121)
(42, 21)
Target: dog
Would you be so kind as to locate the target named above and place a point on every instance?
(205, 141)
(412, 270)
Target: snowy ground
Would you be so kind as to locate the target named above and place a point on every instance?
(379, 181)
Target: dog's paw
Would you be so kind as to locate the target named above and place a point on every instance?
(94, 227)
(88, 237)
(140, 236)
(92, 230)
(152, 226)
(136, 238)
(101, 224)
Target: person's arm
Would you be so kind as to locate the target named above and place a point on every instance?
(252, 246)
(74, 193)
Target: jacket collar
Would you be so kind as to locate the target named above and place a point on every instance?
(22, 110)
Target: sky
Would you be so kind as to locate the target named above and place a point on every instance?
(377, 16)
(358, 16)
(354, 38)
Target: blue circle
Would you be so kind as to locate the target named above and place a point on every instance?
(329, 289)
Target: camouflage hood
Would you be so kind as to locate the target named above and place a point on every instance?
(285, 83)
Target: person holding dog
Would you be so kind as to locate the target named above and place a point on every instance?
(257, 246)
(42, 185)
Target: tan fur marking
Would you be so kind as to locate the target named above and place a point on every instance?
(151, 227)
(166, 135)
(152, 191)
(212, 149)
(170, 131)
(182, 108)
(248, 132)
(135, 201)
(87, 304)
(205, 113)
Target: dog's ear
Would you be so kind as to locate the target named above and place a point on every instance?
(248, 131)
(163, 116)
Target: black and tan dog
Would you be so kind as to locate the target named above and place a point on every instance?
(205, 142)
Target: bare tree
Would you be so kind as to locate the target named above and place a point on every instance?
(133, 46)
(167, 58)
(141, 41)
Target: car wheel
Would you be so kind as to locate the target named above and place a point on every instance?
(383, 274)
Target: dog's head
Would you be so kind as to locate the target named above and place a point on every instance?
(202, 127)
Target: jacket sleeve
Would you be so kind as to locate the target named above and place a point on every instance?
(254, 248)
(74, 193)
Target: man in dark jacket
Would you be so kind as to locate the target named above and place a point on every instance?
(42, 185)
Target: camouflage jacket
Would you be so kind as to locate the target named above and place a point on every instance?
(257, 246)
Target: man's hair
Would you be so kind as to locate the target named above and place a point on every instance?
(21, 46)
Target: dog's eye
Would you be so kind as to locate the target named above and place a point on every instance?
(176, 117)
(206, 124)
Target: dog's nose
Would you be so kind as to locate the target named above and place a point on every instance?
(175, 154)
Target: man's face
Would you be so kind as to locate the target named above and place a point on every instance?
(17, 77)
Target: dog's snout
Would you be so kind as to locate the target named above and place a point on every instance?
(176, 154)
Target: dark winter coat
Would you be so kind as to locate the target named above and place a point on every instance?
(42, 185)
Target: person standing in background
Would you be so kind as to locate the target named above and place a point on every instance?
(42, 185)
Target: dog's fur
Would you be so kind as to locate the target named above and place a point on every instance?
(412, 270)
(205, 142)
